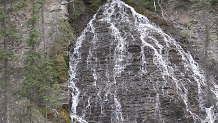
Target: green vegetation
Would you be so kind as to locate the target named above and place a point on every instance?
(65, 115)
(148, 4)
(185, 4)
(59, 49)
(37, 85)
(95, 4)
(8, 38)
(185, 34)
(43, 69)
(213, 2)
(76, 9)
(182, 4)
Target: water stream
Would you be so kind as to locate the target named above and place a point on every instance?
(125, 69)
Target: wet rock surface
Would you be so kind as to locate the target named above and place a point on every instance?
(124, 69)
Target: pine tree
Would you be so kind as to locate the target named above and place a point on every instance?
(7, 37)
(38, 85)
(31, 69)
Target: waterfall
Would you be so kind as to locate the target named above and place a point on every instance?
(125, 69)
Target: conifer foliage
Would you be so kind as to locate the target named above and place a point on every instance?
(41, 70)
(38, 85)
(7, 55)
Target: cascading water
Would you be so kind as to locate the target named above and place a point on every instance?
(125, 69)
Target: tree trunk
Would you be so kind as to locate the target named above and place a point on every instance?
(211, 101)
(44, 48)
(46, 112)
(33, 48)
(43, 24)
(30, 112)
(206, 45)
(5, 75)
(33, 24)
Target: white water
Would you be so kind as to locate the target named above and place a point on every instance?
(108, 83)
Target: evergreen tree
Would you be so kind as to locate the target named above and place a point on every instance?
(7, 38)
(31, 66)
(38, 85)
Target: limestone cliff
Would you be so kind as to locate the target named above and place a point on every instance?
(125, 69)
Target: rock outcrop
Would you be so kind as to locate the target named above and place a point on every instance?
(125, 69)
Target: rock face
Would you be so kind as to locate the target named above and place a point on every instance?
(191, 24)
(125, 69)
(54, 11)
